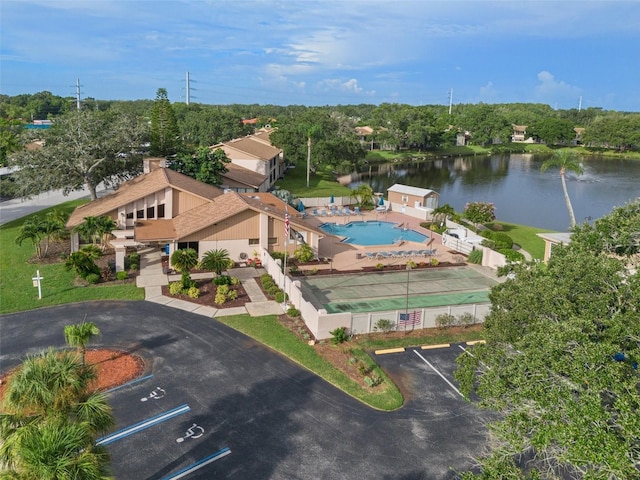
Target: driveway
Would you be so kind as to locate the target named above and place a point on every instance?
(215, 404)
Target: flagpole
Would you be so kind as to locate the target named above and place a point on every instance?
(286, 254)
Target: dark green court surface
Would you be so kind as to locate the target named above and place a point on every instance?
(379, 291)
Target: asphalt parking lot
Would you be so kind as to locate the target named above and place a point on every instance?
(215, 404)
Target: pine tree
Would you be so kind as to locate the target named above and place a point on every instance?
(165, 135)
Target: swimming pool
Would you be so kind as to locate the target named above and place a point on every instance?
(372, 233)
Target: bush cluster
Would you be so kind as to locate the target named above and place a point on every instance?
(445, 320)
(475, 257)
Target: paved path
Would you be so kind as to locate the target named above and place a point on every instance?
(152, 278)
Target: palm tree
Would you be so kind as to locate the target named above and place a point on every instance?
(363, 195)
(89, 229)
(104, 226)
(216, 260)
(80, 335)
(33, 230)
(51, 418)
(55, 449)
(565, 160)
(184, 260)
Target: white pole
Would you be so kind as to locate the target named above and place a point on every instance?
(37, 282)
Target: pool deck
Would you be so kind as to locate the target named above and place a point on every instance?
(345, 256)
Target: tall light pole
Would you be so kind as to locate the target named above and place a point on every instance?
(406, 310)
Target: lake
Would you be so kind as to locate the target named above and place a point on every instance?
(514, 183)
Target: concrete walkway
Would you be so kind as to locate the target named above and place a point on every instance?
(151, 278)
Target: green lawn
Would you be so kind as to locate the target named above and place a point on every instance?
(321, 183)
(526, 237)
(16, 287)
(270, 332)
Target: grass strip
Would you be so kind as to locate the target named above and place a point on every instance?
(17, 292)
(270, 332)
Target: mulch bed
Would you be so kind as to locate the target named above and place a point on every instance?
(208, 294)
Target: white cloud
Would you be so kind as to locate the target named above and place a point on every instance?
(551, 90)
(350, 86)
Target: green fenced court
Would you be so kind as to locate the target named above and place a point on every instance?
(381, 291)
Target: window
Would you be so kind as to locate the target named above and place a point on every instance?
(273, 240)
(405, 198)
(161, 210)
(151, 212)
(254, 241)
(140, 214)
(185, 245)
(130, 215)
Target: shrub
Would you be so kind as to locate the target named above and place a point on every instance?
(220, 298)
(512, 255)
(475, 257)
(92, 278)
(466, 319)
(222, 280)
(293, 312)
(184, 260)
(379, 266)
(264, 277)
(304, 253)
(235, 281)
(175, 288)
(498, 227)
(280, 297)
(187, 281)
(134, 266)
(223, 289)
(384, 325)
(372, 380)
(273, 290)
(193, 292)
(267, 285)
(122, 275)
(232, 295)
(502, 240)
(363, 369)
(445, 320)
(294, 270)
(339, 335)
(411, 264)
(435, 262)
(134, 257)
(314, 271)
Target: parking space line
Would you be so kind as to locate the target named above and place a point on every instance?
(199, 464)
(441, 375)
(132, 382)
(125, 432)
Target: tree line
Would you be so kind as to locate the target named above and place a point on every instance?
(104, 141)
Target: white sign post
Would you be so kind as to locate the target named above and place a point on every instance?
(37, 283)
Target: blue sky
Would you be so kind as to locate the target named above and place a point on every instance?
(326, 52)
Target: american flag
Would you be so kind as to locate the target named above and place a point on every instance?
(412, 319)
(286, 223)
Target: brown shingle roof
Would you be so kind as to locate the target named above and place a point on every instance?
(141, 187)
(250, 146)
(244, 175)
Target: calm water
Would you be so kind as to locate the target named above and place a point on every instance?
(514, 183)
(372, 233)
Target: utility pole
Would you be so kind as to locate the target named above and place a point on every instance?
(188, 89)
(450, 100)
(580, 104)
(78, 94)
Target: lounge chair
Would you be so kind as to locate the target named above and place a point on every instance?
(357, 211)
(383, 255)
(396, 253)
(323, 213)
(404, 253)
(371, 255)
(315, 212)
(348, 211)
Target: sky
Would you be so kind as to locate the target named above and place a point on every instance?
(570, 54)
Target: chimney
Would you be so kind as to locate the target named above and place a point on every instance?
(153, 163)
